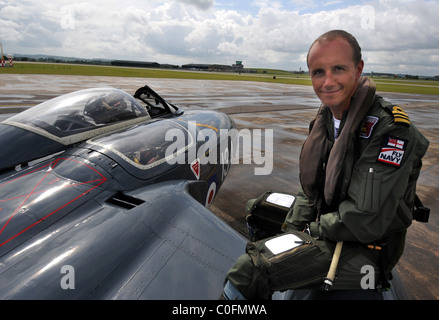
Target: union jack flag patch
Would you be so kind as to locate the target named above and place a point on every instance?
(392, 151)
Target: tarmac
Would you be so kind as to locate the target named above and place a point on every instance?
(287, 110)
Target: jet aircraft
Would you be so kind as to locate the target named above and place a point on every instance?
(95, 205)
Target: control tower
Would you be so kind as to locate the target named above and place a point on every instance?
(238, 66)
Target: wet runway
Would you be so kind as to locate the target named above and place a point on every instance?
(287, 109)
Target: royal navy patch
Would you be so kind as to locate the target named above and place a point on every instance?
(367, 127)
(392, 151)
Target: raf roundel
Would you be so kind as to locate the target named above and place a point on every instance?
(210, 194)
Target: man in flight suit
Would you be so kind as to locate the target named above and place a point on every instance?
(358, 172)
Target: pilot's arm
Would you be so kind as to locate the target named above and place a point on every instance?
(300, 215)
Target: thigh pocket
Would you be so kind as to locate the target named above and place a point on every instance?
(275, 252)
(291, 260)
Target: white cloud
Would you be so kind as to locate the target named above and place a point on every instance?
(395, 37)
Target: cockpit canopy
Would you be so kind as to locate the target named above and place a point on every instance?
(81, 115)
(50, 127)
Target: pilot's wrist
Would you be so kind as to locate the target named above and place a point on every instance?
(314, 228)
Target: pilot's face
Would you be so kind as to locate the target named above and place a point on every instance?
(334, 73)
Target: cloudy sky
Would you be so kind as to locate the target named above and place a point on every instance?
(396, 36)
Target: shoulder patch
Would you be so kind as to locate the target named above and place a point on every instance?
(399, 116)
(367, 126)
(392, 151)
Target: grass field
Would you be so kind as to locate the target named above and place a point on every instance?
(263, 75)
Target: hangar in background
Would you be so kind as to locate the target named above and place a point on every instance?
(237, 67)
(140, 64)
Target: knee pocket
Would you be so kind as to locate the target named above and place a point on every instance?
(301, 264)
(287, 249)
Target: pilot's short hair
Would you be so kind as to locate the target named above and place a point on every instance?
(334, 34)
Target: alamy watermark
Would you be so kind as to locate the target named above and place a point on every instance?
(68, 281)
(367, 18)
(67, 21)
(367, 281)
(346, 19)
(367, 14)
(243, 146)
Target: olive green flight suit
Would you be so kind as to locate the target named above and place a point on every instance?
(377, 194)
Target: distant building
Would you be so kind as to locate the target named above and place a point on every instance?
(138, 64)
(196, 66)
(169, 66)
(237, 67)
